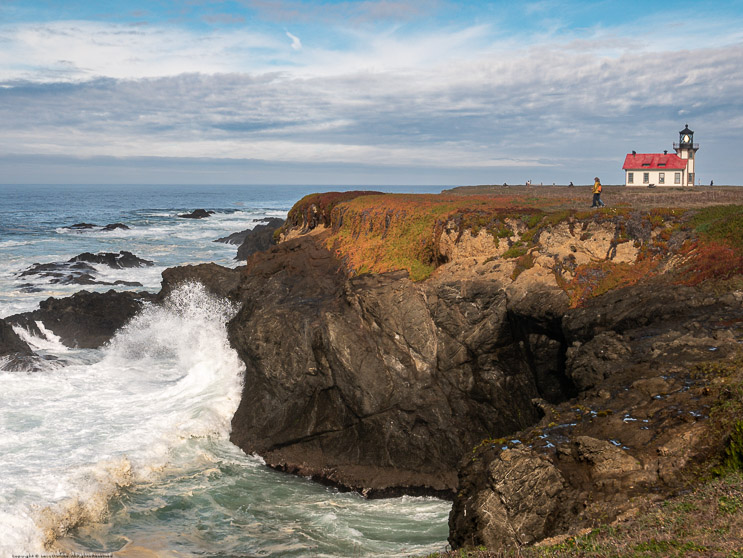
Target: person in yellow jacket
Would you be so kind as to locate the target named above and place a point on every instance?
(597, 193)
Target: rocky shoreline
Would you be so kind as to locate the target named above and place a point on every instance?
(499, 382)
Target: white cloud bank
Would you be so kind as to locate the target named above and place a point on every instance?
(454, 99)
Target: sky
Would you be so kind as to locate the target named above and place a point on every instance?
(345, 93)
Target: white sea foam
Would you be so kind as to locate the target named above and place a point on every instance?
(86, 431)
(47, 342)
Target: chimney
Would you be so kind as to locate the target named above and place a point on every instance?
(634, 152)
(665, 152)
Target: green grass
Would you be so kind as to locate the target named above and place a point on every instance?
(723, 223)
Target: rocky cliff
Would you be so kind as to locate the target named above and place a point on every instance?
(594, 329)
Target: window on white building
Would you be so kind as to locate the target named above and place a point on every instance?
(661, 178)
(645, 177)
(630, 178)
(677, 178)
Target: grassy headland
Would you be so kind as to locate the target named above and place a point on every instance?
(698, 233)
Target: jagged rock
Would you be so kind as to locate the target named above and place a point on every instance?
(517, 506)
(63, 273)
(113, 260)
(590, 363)
(78, 271)
(234, 238)
(16, 355)
(85, 319)
(605, 458)
(652, 387)
(82, 227)
(197, 214)
(260, 238)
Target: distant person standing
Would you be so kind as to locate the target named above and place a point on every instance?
(711, 182)
(597, 193)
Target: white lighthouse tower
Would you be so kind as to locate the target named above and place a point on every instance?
(686, 149)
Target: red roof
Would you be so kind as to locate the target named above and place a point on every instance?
(657, 161)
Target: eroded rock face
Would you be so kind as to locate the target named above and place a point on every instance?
(376, 383)
(86, 319)
(638, 422)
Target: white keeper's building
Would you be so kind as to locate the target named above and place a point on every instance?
(662, 169)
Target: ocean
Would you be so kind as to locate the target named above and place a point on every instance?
(125, 449)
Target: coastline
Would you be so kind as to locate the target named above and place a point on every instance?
(531, 309)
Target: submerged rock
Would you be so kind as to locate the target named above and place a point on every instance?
(114, 226)
(78, 271)
(62, 273)
(82, 226)
(113, 260)
(197, 214)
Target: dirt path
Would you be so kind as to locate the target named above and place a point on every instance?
(579, 197)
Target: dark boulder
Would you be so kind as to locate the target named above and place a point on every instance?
(220, 281)
(234, 238)
(197, 214)
(114, 226)
(10, 343)
(16, 355)
(85, 319)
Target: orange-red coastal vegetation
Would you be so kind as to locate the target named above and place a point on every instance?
(509, 235)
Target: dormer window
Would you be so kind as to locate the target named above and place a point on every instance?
(661, 164)
(646, 164)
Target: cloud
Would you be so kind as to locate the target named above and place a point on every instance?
(296, 43)
(31, 51)
(449, 98)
